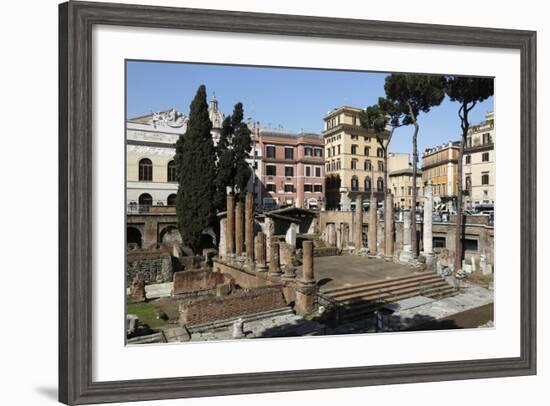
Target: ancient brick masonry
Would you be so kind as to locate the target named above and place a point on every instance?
(188, 282)
(249, 226)
(238, 304)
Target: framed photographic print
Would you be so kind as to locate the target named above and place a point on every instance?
(259, 202)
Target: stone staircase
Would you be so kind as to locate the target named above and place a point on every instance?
(357, 301)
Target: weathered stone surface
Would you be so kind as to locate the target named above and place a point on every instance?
(260, 252)
(358, 223)
(222, 248)
(290, 237)
(177, 335)
(239, 229)
(230, 225)
(249, 226)
(373, 221)
(307, 263)
(188, 282)
(389, 226)
(274, 258)
(331, 234)
(137, 289)
(428, 218)
(155, 266)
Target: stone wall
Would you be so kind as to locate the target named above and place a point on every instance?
(191, 282)
(240, 303)
(156, 266)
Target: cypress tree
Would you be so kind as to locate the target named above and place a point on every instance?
(225, 173)
(195, 165)
(242, 144)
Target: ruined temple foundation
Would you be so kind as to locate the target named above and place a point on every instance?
(373, 228)
(388, 227)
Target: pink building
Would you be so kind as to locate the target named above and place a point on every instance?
(292, 172)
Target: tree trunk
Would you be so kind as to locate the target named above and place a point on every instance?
(460, 197)
(414, 243)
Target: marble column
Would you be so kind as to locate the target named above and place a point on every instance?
(307, 263)
(388, 226)
(274, 263)
(344, 235)
(239, 232)
(406, 252)
(230, 225)
(358, 223)
(427, 230)
(249, 226)
(373, 221)
(259, 252)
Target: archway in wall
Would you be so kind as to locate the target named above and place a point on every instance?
(170, 235)
(133, 236)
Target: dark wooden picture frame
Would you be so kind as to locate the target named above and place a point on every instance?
(76, 20)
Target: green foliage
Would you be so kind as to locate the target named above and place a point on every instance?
(195, 165)
(467, 89)
(232, 152)
(413, 94)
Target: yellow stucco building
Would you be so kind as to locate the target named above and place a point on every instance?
(354, 161)
(440, 166)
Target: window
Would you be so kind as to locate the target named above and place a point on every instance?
(289, 188)
(308, 170)
(367, 151)
(439, 242)
(271, 170)
(328, 152)
(380, 184)
(270, 151)
(354, 137)
(470, 245)
(289, 153)
(338, 149)
(307, 151)
(171, 200)
(318, 188)
(289, 171)
(381, 166)
(367, 184)
(380, 153)
(317, 171)
(145, 199)
(328, 167)
(171, 172)
(468, 159)
(318, 152)
(354, 164)
(270, 187)
(307, 187)
(485, 179)
(338, 166)
(485, 157)
(368, 165)
(354, 183)
(334, 150)
(145, 169)
(486, 138)
(354, 149)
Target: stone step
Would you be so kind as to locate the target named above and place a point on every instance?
(247, 318)
(373, 292)
(384, 282)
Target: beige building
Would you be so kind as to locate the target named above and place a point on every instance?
(150, 149)
(479, 163)
(440, 166)
(354, 161)
(400, 184)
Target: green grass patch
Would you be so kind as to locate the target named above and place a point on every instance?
(147, 314)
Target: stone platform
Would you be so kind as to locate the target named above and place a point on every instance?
(349, 270)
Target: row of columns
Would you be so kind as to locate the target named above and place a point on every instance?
(239, 227)
(373, 225)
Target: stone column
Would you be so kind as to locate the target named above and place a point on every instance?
(344, 235)
(331, 234)
(259, 248)
(305, 292)
(239, 232)
(406, 253)
(373, 221)
(307, 263)
(358, 224)
(268, 229)
(388, 226)
(249, 226)
(222, 246)
(230, 225)
(274, 265)
(428, 208)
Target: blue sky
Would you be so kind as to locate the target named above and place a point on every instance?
(295, 99)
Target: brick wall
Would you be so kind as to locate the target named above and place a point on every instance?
(240, 303)
(186, 282)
